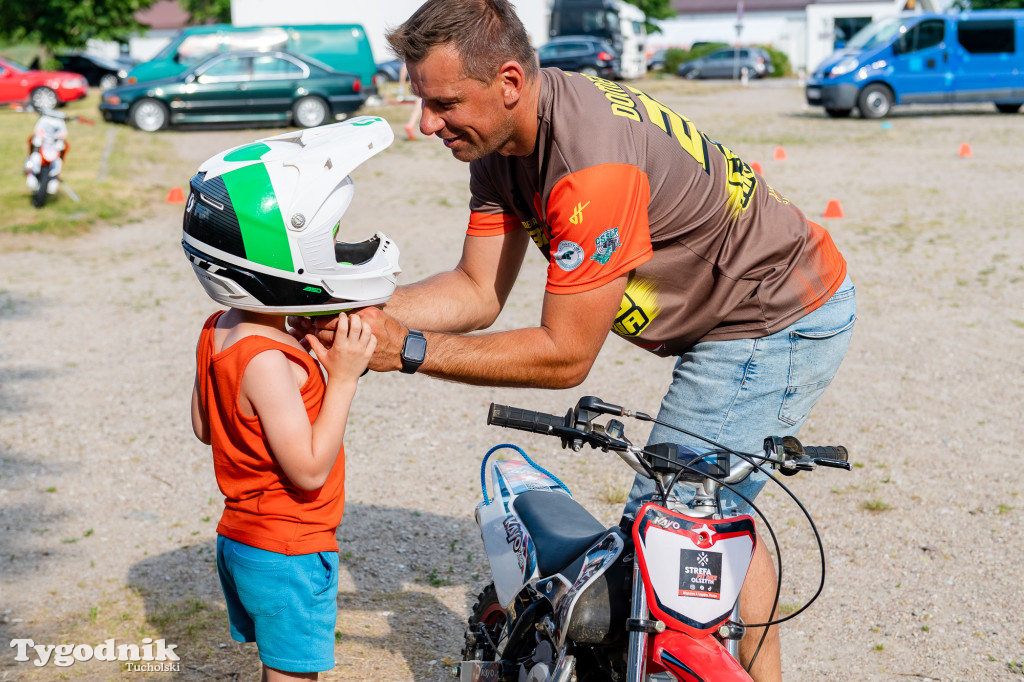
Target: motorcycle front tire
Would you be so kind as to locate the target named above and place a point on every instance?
(39, 197)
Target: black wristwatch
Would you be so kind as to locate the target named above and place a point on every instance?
(414, 351)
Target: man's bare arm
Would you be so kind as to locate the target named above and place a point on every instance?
(557, 354)
(471, 296)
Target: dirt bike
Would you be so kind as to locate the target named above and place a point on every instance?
(654, 599)
(46, 150)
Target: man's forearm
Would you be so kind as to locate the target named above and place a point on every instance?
(524, 358)
(445, 302)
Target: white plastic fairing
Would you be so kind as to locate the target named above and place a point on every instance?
(509, 547)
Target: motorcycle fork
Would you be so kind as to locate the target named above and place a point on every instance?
(637, 656)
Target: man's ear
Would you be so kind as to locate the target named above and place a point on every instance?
(513, 80)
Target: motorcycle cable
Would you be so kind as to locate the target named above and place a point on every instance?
(814, 529)
(764, 520)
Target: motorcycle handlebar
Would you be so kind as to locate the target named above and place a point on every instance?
(524, 420)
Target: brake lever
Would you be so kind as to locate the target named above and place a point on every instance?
(834, 463)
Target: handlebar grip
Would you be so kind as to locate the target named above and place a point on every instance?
(524, 420)
(834, 452)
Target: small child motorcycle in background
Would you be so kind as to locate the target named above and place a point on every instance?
(47, 147)
(653, 599)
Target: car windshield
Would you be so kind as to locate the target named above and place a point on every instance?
(874, 34)
(14, 65)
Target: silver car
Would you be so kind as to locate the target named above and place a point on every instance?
(729, 62)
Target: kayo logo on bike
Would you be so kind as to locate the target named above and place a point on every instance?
(514, 537)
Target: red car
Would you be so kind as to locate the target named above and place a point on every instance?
(43, 89)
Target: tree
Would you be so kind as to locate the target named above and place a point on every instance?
(203, 11)
(654, 9)
(69, 23)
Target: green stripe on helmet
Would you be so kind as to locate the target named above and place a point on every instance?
(259, 218)
(250, 152)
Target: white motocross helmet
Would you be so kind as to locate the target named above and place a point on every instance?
(262, 220)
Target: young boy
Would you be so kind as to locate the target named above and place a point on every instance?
(277, 431)
(259, 399)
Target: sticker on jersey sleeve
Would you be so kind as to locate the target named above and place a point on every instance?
(569, 255)
(605, 245)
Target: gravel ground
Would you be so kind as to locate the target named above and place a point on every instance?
(109, 504)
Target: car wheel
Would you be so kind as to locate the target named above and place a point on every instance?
(875, 101)
(310, 112)
(43, 98)
(1008, 108)
(692, 74)
(837, 113)
(108, 81)
(588, 71)
(148, 115)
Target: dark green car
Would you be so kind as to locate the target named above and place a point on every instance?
(239, 87)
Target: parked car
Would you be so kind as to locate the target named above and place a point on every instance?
(388, 72)
(584, 54)
(729, 62)
(656, 62)
(239, 87)
(975, 56)
(343, 47)
(99, 71)
(41, 89)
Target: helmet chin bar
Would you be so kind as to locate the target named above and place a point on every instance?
(261, 292)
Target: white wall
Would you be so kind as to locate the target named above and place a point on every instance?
(375, 16)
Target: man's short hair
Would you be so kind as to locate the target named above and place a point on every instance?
(485, 33)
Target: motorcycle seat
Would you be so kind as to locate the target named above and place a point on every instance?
(560, 527)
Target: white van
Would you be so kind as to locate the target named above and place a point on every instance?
(621, 23)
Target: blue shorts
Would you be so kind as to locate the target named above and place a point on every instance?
(740, 391)
(288, 605)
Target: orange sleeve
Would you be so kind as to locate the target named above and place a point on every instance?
(491, 224)
(599, 226)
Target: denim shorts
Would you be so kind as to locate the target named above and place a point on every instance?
(740, 391)
(288, 605)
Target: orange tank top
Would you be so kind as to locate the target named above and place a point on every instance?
(262, 508)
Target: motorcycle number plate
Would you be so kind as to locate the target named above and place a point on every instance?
(692, 568)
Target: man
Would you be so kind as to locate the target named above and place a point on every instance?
(652, 230)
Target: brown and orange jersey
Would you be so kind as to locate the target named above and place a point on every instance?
(619, 183)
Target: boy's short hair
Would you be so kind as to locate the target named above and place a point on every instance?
(485, 33)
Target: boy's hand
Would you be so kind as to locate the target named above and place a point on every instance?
(351, 350)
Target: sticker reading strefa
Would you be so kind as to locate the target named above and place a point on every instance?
(700, 574)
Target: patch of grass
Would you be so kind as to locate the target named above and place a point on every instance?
(1004, 509)
(875, 505)
(613, 492)
(116, 171)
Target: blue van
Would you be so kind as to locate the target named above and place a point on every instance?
(925, 59)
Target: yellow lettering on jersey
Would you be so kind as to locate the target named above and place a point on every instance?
(740, 180)
(536, 232)
(638, 308)
(680, 127)
(622, 104)
(778, 197)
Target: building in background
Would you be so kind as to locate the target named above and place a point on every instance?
(806, 31)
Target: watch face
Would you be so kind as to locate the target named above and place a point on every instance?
(415, 348)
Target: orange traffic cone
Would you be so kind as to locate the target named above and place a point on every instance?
(780, 154)
(965, 151)
(834, 209)
(756, 167)
(175, 196)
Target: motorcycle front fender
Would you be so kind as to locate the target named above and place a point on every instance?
(693, 659)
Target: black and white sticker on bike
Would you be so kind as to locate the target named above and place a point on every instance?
(700, 574)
